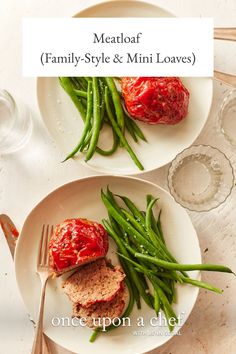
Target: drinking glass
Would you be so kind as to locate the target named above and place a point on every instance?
(227, 117)
(15, 123)
(200, 178)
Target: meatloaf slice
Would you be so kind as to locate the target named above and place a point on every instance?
(103, 310)
(94, 282)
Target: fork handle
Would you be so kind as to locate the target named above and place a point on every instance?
(38, 339)
(228, 34)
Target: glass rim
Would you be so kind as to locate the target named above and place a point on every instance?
(200, 146)
(6, 95)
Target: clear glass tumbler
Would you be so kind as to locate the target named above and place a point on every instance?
(15, 123)
(227, 117)
(200, 178)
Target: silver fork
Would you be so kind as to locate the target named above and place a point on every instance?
(44, 273)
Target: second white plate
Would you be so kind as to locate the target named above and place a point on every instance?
(82, 199)
(164, 142)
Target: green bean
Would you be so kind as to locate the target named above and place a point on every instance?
(187, 267)
(146, 271)
(157, 240)
(117, 103)
(174, 296)
(82, 82)
(86, 141)
(116, 227)
(138, 132)
(132, 207)
(126, 242)
(127, 227)
(75, 83)
(87, 122)
(148, 221)
(142, 287)
(111, 150)
(141, 237)
(153, 221)
(81, 93)
(118, 231)
(201, 284)
(132, 220)
(128, 247)
(94, 335)
(169, 312)
(130, 130)
(133, 273)
(67, 86)
(139, 227)
(142, 279)
(158, 224)
(168, 317)
(120, 134)
(76, 88)
(169, 275)
(102, 94)
(157, 304)
(128, 275)
(97, 120)
(111, 198)
(152, 261)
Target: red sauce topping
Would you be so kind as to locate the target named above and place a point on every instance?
(77, 241)
(15, 232)
(155, 100)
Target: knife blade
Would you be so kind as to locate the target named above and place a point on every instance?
(10, 232)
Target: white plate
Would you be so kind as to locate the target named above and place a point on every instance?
(164, 142)
(82, 199)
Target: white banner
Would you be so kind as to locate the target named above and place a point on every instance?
(117, 47)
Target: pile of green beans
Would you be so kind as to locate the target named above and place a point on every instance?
(151, 270)
(100, 103)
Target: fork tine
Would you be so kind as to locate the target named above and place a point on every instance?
(48, 240)
(43, 254)
(45, 247)
(40, 246)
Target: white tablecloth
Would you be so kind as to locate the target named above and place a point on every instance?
(27, 176)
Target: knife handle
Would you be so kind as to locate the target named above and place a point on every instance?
(228, 34)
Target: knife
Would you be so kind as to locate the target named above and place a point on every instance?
(11, 234)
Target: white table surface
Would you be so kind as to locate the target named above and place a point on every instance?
(27, 176)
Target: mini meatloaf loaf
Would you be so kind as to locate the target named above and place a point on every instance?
(94, 283)
(76, 242)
